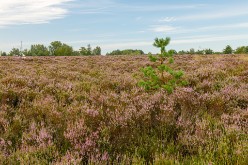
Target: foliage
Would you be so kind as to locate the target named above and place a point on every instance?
(208, 51)
(96, 51)
(242, 50)
(68, 110)
(126, 52)
(192, 51)
(3, 54)
(15, 52)
(88, 51)
(182, 52)
(57, 48)
(200, 52)
(160, 75)
(38, 50)
(228, 50)
(84, 52)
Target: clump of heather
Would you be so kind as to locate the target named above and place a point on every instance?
(79, 110)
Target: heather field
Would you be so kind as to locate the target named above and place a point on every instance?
(90, 110)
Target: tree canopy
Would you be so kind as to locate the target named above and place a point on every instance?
(228, 50)
(126, 52)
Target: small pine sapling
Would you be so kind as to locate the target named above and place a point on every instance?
(156, 76)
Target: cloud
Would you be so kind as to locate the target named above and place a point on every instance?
(167, 19)
(16, 12)
(113, 6)
(163, 28)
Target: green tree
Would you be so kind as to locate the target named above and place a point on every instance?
(76, 53)
(246, 49)
(83, 51)
(57, 48)
(38, 50)
(89, 51)
(26, 52)
(228, 50)
(242, 50)
(155, 75)
(182, 52)
(192, 51)
(64, 50)
(209, 51)
(54, 46)
(173, 51)
(3, 54)
(15, 52)
(126, 52)
(97, 51)
(200, 52)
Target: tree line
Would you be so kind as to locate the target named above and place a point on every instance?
(126, 52)
(57, 48)
(227, 50)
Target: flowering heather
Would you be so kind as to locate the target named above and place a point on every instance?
(79, 110)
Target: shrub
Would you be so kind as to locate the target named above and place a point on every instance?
(161, 75)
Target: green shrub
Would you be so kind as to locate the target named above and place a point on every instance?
(161, 75)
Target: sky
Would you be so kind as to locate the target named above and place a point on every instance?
(124, 24)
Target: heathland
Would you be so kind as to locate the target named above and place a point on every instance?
(79, 110)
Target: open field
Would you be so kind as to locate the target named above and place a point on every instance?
(62, 110)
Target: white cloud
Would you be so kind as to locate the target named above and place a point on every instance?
(14, 12)
(167, 19)
(163, 28)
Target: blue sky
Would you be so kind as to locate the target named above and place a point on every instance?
(121, 24)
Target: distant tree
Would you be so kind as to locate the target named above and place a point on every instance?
(126, 52)
(83, 51)
(26, 52)
(209, 51)
(64, 50)
(115, 52)
(172, 51)
(182, 52)
(96, 51)
(89, 51)
(201, 52)
(246, 49)
(57, 48)
(38, 50)
(192, 51)
(54, 46)
(242, 50)
(228, 50)
(76, 53)
(3, 54)
(15, 52)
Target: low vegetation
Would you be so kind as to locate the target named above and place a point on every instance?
(79, 110)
